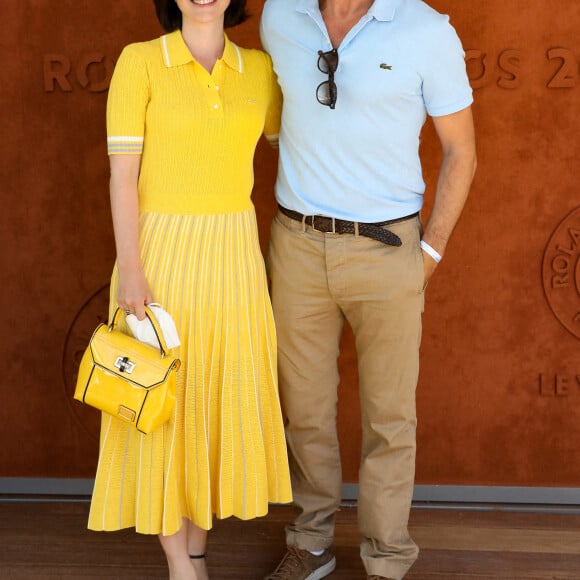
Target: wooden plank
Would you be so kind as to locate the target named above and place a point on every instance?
(50, 541)
(497, 540)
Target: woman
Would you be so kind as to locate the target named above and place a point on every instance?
(184, 115)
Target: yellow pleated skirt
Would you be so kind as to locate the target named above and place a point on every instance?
(223, 452)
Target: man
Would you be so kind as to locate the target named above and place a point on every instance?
(359, 78)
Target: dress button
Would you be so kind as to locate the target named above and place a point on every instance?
(217, 88)
(216, 106)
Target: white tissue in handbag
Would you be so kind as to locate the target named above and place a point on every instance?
(143, 330)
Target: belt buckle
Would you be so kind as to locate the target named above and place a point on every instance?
(325, 217)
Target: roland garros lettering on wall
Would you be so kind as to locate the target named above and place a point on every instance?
(504, 68)
(561, 281)
(559, 67)
(92, 71)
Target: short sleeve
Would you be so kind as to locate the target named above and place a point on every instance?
(274, 111)
(127, 103)
(446, 88)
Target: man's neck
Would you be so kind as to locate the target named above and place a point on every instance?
(341, 15)
(340, 9)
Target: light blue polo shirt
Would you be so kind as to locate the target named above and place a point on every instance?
(401, 62)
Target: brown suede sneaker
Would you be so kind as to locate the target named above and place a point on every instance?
(302, 565)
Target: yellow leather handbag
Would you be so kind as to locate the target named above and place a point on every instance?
(128, 379)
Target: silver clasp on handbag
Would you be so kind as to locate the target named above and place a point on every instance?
(124, 364)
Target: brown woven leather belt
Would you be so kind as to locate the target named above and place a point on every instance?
(328, 225)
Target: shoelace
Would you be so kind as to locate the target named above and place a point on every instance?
(292, 560)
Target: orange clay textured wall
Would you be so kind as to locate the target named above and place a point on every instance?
(499, 392)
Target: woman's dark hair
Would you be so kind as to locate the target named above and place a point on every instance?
(169, 15)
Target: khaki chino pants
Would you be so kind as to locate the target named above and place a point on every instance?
(318, 280)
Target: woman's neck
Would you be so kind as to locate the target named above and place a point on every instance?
(205, 42)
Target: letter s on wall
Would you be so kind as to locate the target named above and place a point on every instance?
(509, 63)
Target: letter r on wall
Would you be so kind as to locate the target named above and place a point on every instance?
(56, 69)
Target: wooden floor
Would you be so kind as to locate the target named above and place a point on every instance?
(50, 541)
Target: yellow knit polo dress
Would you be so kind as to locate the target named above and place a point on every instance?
(223, 452)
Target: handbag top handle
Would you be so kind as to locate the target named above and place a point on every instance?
(156, 328)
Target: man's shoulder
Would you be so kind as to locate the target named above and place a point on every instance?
(279, 17)
(278, 6)
(422, 13)
(420, 18)
(268, 4)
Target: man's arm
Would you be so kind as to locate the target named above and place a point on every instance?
(457, 136)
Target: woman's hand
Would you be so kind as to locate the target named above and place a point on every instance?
(133, 292)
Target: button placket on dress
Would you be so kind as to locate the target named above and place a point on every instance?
(214, 87)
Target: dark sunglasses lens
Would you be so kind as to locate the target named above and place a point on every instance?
(328, 61)
(323, 93)
(326, 93)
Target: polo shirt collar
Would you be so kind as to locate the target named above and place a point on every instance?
(383, 10)
(307, 6)
(176, 53)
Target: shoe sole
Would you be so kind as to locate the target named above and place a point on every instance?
(323, 571)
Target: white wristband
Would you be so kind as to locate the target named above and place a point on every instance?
(432, 252)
